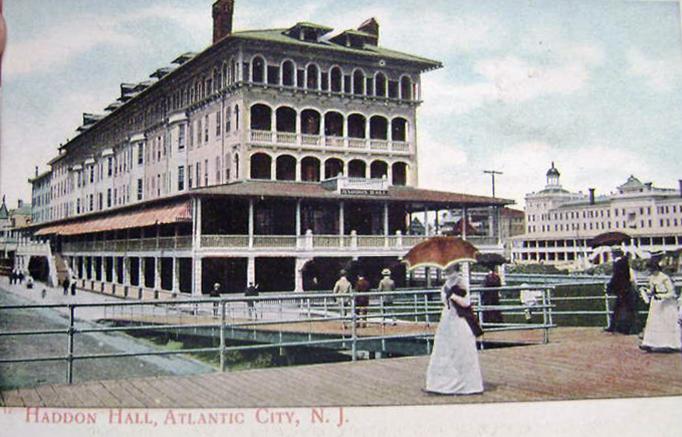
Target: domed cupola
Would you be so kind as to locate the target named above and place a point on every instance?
(553, 176)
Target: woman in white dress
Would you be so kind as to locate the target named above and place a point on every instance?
(662, 331)
(454, 368)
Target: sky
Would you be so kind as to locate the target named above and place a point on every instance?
(595, 86)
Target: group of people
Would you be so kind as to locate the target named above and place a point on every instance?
(662, 331)
(17, 276)
(344, 287)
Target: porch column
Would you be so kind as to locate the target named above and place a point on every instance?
(465, 221)
(196, 279)
(297, 171)
(251, 270)
(175, 288)
(114, 270)
(386, 219)
(102, 270)
(157, 273)
(140, 275)
(298, 274)
(273, 170)
(298, 218)
(341, 214)
(426, 223)
(196, 224)
(126, 271)
(250, 222)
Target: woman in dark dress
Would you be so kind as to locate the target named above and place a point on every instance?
(624, 319)
(492, 297)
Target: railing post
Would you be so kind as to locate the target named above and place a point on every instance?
(69, 356)
(416, 303)
(222, 335)
(383, 311)
(354, 339)
(545, 337)
(426, 310)
(606, 306)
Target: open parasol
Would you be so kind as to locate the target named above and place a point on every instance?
(609, 239)
(440, 252)
(491, 259)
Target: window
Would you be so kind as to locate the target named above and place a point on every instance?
(92, 174)
(189, 176)
(198, 174)
(206, 129)
(206, 172)
(158, 149)
(139, 189)
(199, 133)
(110, 166)
(108, 197)
(181, 137)
(191, 135)
(228, 115)
(181, 178)
(218, 171)
(92, 202)
(140, 154)
(218, 124)
(78, 206)
(158, 185)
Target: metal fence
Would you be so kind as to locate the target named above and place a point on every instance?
(319, 319)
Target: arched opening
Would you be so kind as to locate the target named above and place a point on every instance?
(336, 80)
(286, 168)
(286, 119)
(332, 168)
(310, 122)
(261, 117)
(333, 124)
(380, 85)
(258, 70)
(399, 173)
(357, 169)
(406, 88)
(356, 126)
(288, 73)
(310, 169)
(378, 128)
(260, 166)
(399, 129)
(378, 170)
(358, 83)
(312, 79)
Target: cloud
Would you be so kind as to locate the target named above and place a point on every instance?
(660, 74)
(511, 80)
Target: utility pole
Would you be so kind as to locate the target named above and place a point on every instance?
(492, 173)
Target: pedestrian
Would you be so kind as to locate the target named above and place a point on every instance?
(361, 301)
(73, 287)
(215, 293)
(386, 284)
(662, 330)
(65, 286)
(13, 277)
(342, 288)
(454, 367)
(529, 298)
(43, 293)
(20, 276)
(251, 291)
(29, 282)
(491, 297)
(624, 318)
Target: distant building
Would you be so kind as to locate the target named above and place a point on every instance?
(560, 223)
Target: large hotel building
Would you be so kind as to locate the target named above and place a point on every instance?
(560, 223)
(274, 156)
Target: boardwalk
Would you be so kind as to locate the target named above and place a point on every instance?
(580, 363)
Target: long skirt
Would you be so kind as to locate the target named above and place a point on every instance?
(454, 367)
(662, 330)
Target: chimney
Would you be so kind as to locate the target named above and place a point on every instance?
(36, 171)
(223, 10)
(20, 203)
(591, 196)
(370, 26)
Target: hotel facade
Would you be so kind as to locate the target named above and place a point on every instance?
(273, 156)
(560, 223)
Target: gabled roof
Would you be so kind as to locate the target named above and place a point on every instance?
(632, 183)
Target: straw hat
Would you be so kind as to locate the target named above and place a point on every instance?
(386, 272)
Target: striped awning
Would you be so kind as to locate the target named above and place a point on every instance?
(157, 215)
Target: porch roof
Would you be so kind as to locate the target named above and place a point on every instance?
(155, 215)
(314, 190)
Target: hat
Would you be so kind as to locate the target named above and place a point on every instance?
(653, 264)
(343, 273)
(386, 272)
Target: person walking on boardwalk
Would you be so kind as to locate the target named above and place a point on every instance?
(251, 291)
(215, 292)
(73, 286)
(386, 284)
(361, 300)
(65, 286)
(662, 330)
(342, 288)
(624, 318)
(453, 366)
(491, 297)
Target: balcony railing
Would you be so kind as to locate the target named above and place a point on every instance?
(291, 138)
(132, 245)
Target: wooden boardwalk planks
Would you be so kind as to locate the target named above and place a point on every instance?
(579, 363)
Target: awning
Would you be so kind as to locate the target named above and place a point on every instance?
(157, 215)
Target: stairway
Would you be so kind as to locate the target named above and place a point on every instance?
(61, 268)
